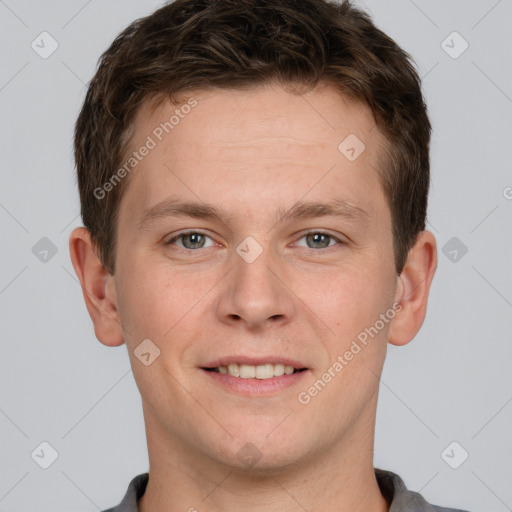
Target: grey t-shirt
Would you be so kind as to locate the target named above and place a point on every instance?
(391, 486)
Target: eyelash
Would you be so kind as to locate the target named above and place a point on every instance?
(195, 232)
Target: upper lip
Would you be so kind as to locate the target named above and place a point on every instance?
(253, 361)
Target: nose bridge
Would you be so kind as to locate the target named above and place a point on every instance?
(253, 294)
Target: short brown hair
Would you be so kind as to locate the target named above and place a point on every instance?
(204, 44)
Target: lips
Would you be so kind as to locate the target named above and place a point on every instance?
(255, 377)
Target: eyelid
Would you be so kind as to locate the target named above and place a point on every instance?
(180, 234)
(302, 234)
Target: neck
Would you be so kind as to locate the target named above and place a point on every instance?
(341, 479)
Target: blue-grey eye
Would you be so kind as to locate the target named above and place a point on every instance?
(191, 240)
(319, 240)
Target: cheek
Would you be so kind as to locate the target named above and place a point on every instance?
(147, 304)
(158, 301)
(349, 299)
(347, 382)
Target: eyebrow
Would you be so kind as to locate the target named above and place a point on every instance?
(300, 210)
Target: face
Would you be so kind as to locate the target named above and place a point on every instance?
(248, 236)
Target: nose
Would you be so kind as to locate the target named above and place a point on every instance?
(255, 294)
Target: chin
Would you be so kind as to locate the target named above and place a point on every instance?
(260, 451)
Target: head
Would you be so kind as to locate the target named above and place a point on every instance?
(290, 140)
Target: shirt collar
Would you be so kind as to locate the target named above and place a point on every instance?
(391, 486)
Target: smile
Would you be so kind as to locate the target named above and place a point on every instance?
(262, 371)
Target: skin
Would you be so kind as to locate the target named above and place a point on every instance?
(256, 153)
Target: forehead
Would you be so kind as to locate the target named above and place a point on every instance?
(254, 142)
(236, 116)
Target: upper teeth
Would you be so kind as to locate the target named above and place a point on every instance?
(263, 371)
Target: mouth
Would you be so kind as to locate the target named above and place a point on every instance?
(255, 377)
(261, 371)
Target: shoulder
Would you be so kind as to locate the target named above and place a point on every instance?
(135, 490)
(402, 499)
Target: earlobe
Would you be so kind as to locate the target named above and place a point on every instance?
(97, 287)
(413, 288)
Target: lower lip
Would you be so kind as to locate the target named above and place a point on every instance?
(256, 387)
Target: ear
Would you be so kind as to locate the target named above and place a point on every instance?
(97, 287)
(413, 288)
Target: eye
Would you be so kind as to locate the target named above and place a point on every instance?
(319, 240)
(190, 240)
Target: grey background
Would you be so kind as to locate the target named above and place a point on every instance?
(60, 385)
